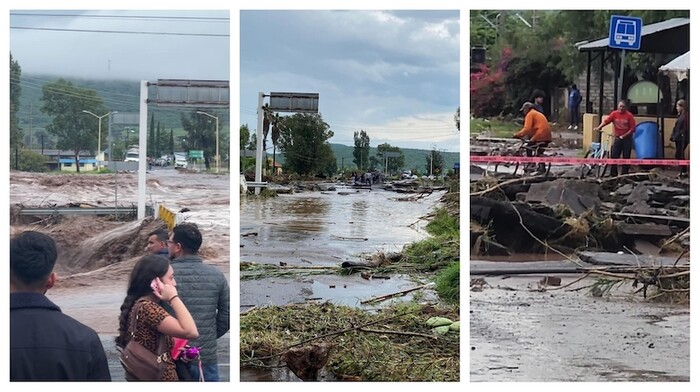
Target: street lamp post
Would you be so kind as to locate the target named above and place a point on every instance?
(99, 127)
(217, 137)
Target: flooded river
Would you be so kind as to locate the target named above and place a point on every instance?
(316, 229)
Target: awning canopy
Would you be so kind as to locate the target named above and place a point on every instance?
(680, 66)
(671, 36)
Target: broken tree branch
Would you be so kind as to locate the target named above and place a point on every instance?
(397, 294)
(422, 335)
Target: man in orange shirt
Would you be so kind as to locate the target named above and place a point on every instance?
(623, 125)
(537, 128)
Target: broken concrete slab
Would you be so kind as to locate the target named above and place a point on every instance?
(579, 196)
(626, 259)
(645, 229)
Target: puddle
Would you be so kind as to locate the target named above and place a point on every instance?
(326, 229)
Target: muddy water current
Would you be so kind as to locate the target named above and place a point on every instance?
(325, 229)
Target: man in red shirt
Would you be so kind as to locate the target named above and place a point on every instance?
(623, 124)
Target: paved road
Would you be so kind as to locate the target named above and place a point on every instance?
(117, 372)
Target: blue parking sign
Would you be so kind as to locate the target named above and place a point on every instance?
(625, 32)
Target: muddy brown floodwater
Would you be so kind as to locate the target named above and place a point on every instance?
(96, 256)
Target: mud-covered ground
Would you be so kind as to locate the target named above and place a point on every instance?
(97, 254)
(519, 334)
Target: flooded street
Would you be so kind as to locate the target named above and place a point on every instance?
(317, 229)
(563, 335)
(92, 290)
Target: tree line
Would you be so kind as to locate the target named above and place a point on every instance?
(75, 129)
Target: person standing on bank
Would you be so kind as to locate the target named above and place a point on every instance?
(537, 128)
(205, 291)
(153, 322)
(681, 133)
(574, 103)
(45, 344)
(623, 130)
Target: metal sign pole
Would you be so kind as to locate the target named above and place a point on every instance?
(622, 75)
(259, 146)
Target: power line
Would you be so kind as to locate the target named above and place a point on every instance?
(119, 32)
(128, 17)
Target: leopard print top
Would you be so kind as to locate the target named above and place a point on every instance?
(150, 315)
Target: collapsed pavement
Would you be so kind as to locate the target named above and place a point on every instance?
(640, 212)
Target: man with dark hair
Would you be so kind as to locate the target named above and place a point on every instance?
(158, 242)
(205, 292)
(45, 344)
(538, 100)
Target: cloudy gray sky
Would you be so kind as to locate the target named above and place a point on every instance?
(131, 45)
(393, 74)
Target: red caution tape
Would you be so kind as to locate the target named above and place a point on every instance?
(579, 161)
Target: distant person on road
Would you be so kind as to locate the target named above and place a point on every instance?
(623, 131)
(574, 103)
(538, 130)
(158, 243)
(205, 291)
(153, 322)
(538, 100)
(45, 344)
(681, 133)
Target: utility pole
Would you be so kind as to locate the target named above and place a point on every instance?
(342, 163)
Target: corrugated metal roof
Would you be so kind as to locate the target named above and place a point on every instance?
(648, 31)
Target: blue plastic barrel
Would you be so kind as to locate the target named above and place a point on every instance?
(646, 140)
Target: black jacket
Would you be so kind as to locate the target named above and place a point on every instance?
(681, 130)
(47, 345)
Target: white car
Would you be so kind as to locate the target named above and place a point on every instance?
(180, 162)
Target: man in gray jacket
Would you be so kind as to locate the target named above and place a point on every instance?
(204, 290)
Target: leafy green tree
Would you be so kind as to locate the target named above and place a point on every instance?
(456, 117)
(16, 134)
(361, 150)
(304, 141)
(73, 129)
(29, 161)
(244, 135)
(434, 162)
(253, 142)
(171, 142)
(393, 164)
(201, 135)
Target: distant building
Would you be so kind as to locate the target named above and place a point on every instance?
(64, 160)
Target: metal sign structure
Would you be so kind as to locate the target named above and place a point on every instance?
(625, 34)
(279, 102)
(294, 102)
(196, 154)
(174, 93)
(192, 93)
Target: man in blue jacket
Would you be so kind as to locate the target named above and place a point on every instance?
(574, 103)
(204, 290)
(45, 344)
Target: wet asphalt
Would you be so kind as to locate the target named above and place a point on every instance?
(117, 372)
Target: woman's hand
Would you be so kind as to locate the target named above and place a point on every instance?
(165, 292)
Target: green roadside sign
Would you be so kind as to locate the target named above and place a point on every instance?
(196, 154)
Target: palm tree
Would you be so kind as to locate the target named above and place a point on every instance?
(277, 127)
